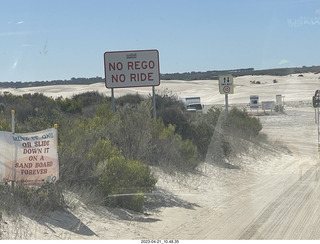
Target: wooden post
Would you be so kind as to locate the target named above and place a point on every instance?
(15, 159)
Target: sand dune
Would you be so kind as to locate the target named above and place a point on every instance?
(293, 87)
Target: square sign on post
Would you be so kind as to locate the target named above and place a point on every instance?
(226, 84)
(254, 102)
(132, 68)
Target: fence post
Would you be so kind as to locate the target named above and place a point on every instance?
(13, 131)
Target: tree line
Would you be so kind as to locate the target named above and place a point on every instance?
(208, 75)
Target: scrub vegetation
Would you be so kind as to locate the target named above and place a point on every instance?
(112, 154)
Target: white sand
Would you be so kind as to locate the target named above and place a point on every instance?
(275, 194)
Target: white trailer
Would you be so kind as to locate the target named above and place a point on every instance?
(192, 104)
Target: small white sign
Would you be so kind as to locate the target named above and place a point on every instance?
(226, 84)
(268, 105)
(254, 102)
(132, 68)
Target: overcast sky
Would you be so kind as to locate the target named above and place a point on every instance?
(60, 39)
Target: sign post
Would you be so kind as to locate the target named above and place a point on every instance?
(113, 106)
(316, 104)
(226, 87)
(137, 68)
(15, 158)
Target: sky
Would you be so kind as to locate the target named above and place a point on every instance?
(43, 40)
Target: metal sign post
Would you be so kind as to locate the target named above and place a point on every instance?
(154, 103)
(226, 102)
(113, 106)
(316, 104)
(318, 130)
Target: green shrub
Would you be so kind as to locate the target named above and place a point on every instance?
(174, 115)
(122, 179)
(166, 100)
(46, 198)
(2, 108)
(89, 98)
(137, 202)
(129, 99)
(5, 125)
(131, 201)
(189, 153)
(201, 128)
(42, 119)
(240, 123)
(70, 105)
(169, 150)
(131, 131)
(0, 223)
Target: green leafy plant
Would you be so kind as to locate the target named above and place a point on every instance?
(123, 181)
(240, 123)
(0, 223)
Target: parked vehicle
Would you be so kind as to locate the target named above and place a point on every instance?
(193, 104)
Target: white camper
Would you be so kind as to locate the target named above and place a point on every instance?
(192, 104)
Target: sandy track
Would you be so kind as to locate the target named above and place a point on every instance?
(260, 211)
(280, 206)
(276, 197)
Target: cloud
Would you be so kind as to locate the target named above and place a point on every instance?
(20, 22)
(14, 65)
(283, 61)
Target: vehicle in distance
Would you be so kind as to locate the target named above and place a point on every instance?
(193, 104)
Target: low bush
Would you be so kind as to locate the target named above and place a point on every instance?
(70, 105)
(169, 150)
(123, 181)
(131, 201)
(42, 199)
(129, 99)
(46, 198)
(0, 224)
(241, 124)
(202, 129)
(131, 130)
(5, 125)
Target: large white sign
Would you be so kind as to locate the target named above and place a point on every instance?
(132, 68)
(30, 158)
(268, 105)
(226, 84)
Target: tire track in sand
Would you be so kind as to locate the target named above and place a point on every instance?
(266, 214)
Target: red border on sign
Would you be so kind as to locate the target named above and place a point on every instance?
(105, 71)
(226, 89)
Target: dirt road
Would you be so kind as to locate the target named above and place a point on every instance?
(274, 196)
